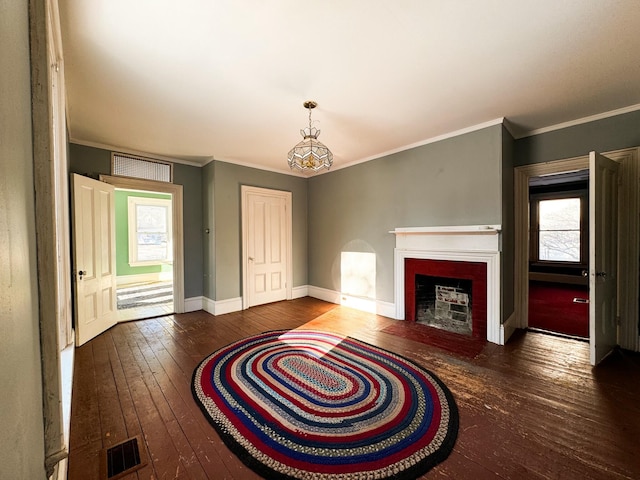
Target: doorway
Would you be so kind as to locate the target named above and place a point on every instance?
(144, 254)
(628, 235)
(559, 254)
(174, 292)
(267, 265)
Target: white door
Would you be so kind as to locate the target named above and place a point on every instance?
(266, 230)
(603, 256)
(94, 263)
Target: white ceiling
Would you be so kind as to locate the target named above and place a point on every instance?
(225, 79)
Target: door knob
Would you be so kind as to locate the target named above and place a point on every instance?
(602, 275)
(81, 273)
(585, 273)
(251, 259)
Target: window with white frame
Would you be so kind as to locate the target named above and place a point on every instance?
(150, 235)
(559, 227)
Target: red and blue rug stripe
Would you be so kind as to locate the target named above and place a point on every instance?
(306, 404)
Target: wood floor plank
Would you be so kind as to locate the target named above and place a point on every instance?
(164, 458)
(532, 409)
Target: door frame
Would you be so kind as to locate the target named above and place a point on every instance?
(629, 237)
(178, 236)
(245, 191)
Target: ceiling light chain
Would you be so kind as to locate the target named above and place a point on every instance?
(310, 155)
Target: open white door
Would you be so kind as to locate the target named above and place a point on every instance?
(603, 256)
(266, 252)
(94, 240)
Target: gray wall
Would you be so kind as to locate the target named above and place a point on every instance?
(508, 227)
(452, 182)
(21, 413)
(209, 224)
(222, 182)
(95, 161)
(613, 133)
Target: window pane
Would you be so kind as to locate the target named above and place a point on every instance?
(151, 218)
(560, 214)
(152, 246)
(560, 246)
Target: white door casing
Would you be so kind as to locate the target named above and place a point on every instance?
(266, 253)
(176, 192)
(94, 257)
(603, 256)
(628, 243)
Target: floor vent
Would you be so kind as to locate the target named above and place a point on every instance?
(123, 458)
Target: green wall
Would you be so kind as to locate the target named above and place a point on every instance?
(21, 410)
(92, 162)
(122, 235)
(451, 182)
(221, 187)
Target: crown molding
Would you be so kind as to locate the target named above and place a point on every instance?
(138, 153)
(439, 138)
(580, 121)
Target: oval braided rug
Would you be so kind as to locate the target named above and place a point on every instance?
(304, 404)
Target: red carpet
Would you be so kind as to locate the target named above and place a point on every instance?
(463, 345)
(551, 307)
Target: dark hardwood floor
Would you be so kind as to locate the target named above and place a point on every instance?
(531, 409)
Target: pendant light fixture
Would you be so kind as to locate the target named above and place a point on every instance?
(310, 155)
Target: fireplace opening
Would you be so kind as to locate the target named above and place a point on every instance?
(444, 303)
(459, 278)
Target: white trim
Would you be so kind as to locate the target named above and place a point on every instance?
(475, 229)
(246, 191)
(221, 307)
(508, 328)
(467, 244)
(628, 246)
(325, 294)
(208, 305)
(132, 219)
(521, 177)
(580, 121)
(359, 303)
(491, 258)
(177, 227)
(379, 307)
(193, 304)
(124, 280)
(300, 292)
(154, 156)
(438, 138)
(386, 309)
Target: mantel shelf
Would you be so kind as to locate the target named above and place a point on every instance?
(452, 230)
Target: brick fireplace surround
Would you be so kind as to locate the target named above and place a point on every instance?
(474, 271)
(449, 249)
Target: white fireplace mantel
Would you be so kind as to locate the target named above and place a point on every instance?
(475, 243)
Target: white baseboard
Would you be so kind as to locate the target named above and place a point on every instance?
(220, 307)
(143, 278)
(193, 304)
(507, 328)
(320, 293)
(386, 309)
(299, 292)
